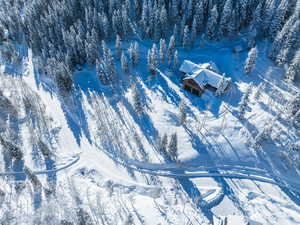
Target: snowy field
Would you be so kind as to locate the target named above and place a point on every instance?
(110, 158)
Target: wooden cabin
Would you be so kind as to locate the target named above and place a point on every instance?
(199, 77)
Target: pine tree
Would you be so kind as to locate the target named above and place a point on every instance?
(172, 149)
(175, 61)
(250, 61)
(221, 86)
(226, 17)
(162, 50)
(194, 31)
(171, 50)
(163, 144)
(124, 63)
(278, 19)
(199, 16)
(244, 102)
(111, 66)
(152, 60)
(131, 53)
(136, 58)
(182, 112)
(294, 68)
(212, 23)
(102, 71)
(118, 46)
(163, 20)
(137, 101)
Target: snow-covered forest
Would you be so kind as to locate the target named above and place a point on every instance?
(98, 127)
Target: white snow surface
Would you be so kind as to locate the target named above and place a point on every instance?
(213, 136)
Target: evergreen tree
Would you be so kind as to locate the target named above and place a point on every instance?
(172, 149)
(194, 31)
(294, 68)
(137, 101)
(102, 71)
(163, 20)
(211, 30)
(176, 61)
(124, 63)
(171, 50)
(226, 17)
(162, 50)
(244, 102)
(278, 19)
(152, 60)
(136, 58)
(111, 66)
(163, 144)
(250, 61)
(118, 46)
(186, 38)
(199, 16)
(182, 112)
(221, 86)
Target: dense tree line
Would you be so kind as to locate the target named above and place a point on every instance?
(69, 32)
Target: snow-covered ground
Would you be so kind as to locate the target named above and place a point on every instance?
(119, 168)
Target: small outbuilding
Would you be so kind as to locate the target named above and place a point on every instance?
(199, 77)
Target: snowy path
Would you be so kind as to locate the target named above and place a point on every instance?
(225, 171)
(40, 172)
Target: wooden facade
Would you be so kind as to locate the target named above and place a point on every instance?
(191, 86)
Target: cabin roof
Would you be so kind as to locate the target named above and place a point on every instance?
(204, 77)
(190, 67)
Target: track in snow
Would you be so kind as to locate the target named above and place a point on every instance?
(40, 172)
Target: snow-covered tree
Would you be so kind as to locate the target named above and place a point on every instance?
(264, 134)
(162, 50)
(136, 58)
(226, 17)
(171, 50)
(182, 112)
(293, 70)
(277, 21)
(118, 46)
(250, 61)
(133, 52)
(212, 24)
(172, 148)
(163, 144)
(194, 31)
(137, 101)
(152, 60)
(244, 101)
(186, 38)
(221, 86)
(124, 63)
(175, 61)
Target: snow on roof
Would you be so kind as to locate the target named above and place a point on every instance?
(211, 66)
(189, 67)
(205, 76)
